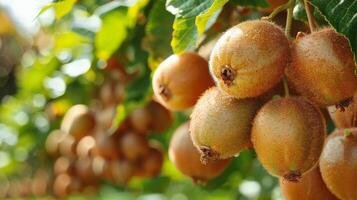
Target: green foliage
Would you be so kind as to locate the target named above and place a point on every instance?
(254, 3)
(140, 34)
(61, 8)
(342, 16)
(159, 24)
(185, 34)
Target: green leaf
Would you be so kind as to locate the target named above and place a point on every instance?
(252, 3)
(159, 24)
(202, 19)
(299, 12)
(185, 32)
(69, 39)
(342, 15)
(112, 33)
(114, 29)
(184, 35)
(61, 8)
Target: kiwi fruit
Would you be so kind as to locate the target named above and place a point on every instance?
(221, 124)
(120, 171)
(323, 67)
(40, 183)
(345, 117)
(338, 163)
(184, 155)
(310, 187)
(62, 165)
(133, 146)
(180, 80)
(64, 185)
(53, 140)
(151, 163)
(83, 170)
(79, 121)
(151, 118)
(250, 58)
(288, 136)
(67, 146)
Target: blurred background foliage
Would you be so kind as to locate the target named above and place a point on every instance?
(58, 55)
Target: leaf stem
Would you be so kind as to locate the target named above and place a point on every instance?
(310, 17)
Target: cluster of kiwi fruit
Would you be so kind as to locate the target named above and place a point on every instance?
(33, 185)
(245, 109)
(86, 150)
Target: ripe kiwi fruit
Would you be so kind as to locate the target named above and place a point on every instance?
(345, 117)
(152, 117)
(221, 124)
(67, 146)
(180, 80)
(338, 163)
(310, 187)
(322, 67)
(84, 170)
(250, 58)
(85, 146)
(119, 171)
(62, 165)
(53, 140)
(79, 121)
(40, 183)
(288, 136)
(133, 146)
(152, 162)
(186, 157)
(64, 185)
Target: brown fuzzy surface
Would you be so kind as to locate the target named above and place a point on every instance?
(288, 136)
(180, 80)
(323, 67)
(222, 123)
(309, 187)
(338, 164)
(187, 158)
(79, 121)
(256, 54)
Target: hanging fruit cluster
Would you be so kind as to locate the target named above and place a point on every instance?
(246, 109)
(86, 151)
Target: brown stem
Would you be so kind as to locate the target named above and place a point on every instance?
(310, 16)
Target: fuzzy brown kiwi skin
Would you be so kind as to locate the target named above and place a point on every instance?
(338, 163)
(221, 124)
(186, 157)
(250, 58)
(346, 117)
(180, 80)
(288, 136)
(79, 121)
(332, 79)
(310, 187)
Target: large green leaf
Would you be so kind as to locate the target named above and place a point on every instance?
(342, 15)
(159, 24)
(252, 3)
(185, 32)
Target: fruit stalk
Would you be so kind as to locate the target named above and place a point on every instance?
(289, 17)
(310, 17)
